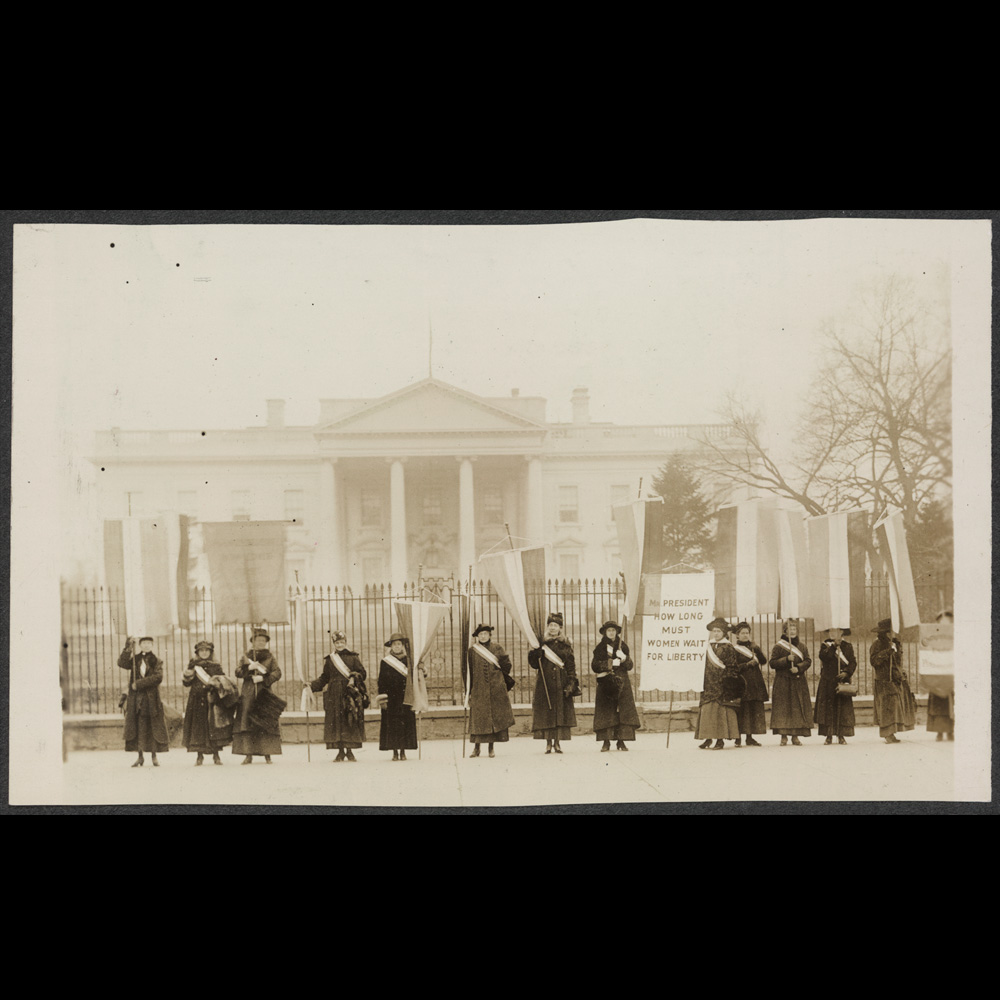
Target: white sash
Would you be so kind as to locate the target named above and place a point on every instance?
(395, 664)
(843, 659)
(791, 649)
(202, 674)
(551, 656)
(744, 651)
(486, 654)
(713, 656)
(618, 658)
(340, 665)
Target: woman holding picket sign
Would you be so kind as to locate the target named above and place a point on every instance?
(791, 708)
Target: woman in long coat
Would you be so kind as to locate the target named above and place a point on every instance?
(941, 708)
(750, 715)
(791, 707)
(258, 668)
(717, 718)
(895, 706)
(345, 699)
(615, 716)
(398, 731)
(553, 714)
(145, 727)
(834, 713)
(488, 679)
(201, 735)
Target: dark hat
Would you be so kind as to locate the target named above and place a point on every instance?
(610, 624)
(885, 625)
(482, 628)
(395, 637)
(205, 644)
(555, 616)
(742, 625)
(338, 636)
(259, 633)
(718, 623)
(147, 638)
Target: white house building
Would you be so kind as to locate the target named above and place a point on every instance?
(420, 482)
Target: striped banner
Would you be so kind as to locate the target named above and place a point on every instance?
(640, 542)
(836, 580)
(891, 535)
(518, 577)
(746, 565)
(419, 621)
(142, 562)
(793, 561)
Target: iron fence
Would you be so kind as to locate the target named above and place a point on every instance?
(93, 680)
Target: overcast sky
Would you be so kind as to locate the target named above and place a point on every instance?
(194, 326)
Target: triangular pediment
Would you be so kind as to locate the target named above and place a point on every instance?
(429, 406)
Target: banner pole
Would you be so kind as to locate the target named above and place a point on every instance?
(670, 717)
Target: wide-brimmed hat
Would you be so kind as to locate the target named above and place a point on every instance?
(610, 624)
(395, 637)
(555, 616)
(843, 631)
(482, 628)
(718, 623)
(885, 625)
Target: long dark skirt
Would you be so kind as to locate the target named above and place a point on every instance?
(256, 743)
(939, 718)
(145, 740)
(500, 736)
(398, 730)
(619, 732)
(751, 717)
(555, 733)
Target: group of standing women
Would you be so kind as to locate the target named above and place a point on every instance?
(731, 705)
(734, 690)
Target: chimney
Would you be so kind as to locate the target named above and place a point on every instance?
(275, 413)
(581, 406)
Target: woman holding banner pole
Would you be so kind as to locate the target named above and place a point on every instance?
(345, 699)
(488, 681)
(256, 729)
(615, 717)
(717, 719)
(791, 708)
(835, 707)
(398, 731)
(752, 720)
(553, 715)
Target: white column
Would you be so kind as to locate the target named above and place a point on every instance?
(534, 521)
(397, 515)
(466, 518)
(330, 567)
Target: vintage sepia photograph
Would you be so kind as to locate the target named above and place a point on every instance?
(521, 511)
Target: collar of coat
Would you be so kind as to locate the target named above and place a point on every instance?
(396, 664)
(713, 656)
(261, 656)
(601, 649)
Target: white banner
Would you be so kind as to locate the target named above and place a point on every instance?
(677, 609)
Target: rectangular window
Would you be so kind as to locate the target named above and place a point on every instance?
(492, 506)
(569, 566)
(187, 502)
(432, 507)
(371, 509)
(620, 492)
(569, 505)
(295, 506)
(241, 505)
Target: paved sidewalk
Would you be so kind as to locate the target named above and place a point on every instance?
(867, 769)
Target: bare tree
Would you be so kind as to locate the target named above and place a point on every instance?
(875, 427)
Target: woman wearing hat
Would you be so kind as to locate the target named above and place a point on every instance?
(345, 699)
(791, 708)
(615, 717)
(259, 671)
(398, 731)
(488, 680)
(834, 712)
(751, 658)
(200, 735)
(895, 706)
(717, 719)
(553, 715)
(145, 727)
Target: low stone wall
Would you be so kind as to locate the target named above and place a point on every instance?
(104, 732)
